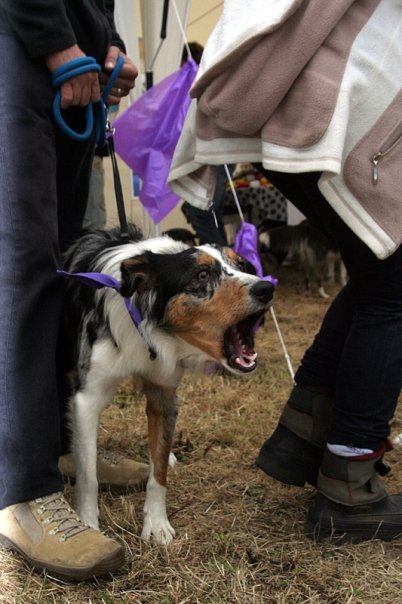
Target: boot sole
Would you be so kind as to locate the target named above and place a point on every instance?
(107, 565)
(289, 458)
(115, 489)
(325, 533)
(333, 522)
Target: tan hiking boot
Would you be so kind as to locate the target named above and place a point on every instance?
(50, 536)
(115, 473)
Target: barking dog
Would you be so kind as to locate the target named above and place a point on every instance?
(316, 253)
(195, 305)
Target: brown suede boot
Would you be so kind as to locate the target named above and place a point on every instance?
(351, 504)
(115, 473)
(293, 453)
(49, 536)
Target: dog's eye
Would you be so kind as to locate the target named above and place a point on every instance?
(203, 275)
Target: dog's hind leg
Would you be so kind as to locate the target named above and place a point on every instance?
(86, 407)
(320, 268)
(343, 274)
(161, 411)
(331, 258)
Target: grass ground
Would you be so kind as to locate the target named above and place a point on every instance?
(239, 533)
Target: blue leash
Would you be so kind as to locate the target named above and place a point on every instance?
(95, 117)
(95, 114)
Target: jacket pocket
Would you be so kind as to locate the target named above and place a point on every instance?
(373, 170)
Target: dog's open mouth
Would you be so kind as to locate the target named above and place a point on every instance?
(239, 344)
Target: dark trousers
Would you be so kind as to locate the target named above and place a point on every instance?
(358, 349)
(44, 180)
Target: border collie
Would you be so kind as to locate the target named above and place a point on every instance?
(316, 253)
(169, 308)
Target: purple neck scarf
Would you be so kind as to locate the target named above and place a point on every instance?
(100, 280)
(246, 245)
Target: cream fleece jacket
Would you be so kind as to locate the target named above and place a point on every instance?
(305, 85)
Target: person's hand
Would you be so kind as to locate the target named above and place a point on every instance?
(79, 90)
(125, 81)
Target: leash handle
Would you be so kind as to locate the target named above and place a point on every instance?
(71, 65)
(72, 69)
(60, 75)
(113, 77)
(89, 121)
(95, 115)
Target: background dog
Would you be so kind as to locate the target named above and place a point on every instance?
(195, 305)
(184, 235)
(315, 253)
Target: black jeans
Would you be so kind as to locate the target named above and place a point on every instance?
(44, 181)
(358, 349)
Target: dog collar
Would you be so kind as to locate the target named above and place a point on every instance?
(100, 280)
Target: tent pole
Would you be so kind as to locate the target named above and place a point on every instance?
(149, 74)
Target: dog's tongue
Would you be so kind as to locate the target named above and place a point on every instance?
(242, 356)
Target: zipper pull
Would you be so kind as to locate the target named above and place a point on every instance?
(375, 160)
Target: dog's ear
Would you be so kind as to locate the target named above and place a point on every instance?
(136, 275)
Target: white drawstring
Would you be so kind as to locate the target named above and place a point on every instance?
(271, 310)
(183, 33)
(287, 357)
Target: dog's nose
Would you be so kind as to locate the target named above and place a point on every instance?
(263, 291)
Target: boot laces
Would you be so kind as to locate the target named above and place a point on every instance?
(59, 512)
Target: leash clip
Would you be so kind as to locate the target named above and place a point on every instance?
(110, 129)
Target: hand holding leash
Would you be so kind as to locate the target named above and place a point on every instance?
(95, 113)
(80, 88)
(125, 79)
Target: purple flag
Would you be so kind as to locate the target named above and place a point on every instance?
(146, 135)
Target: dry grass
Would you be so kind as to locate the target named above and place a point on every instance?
(239, 534)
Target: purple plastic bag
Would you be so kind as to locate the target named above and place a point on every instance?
(146, 135)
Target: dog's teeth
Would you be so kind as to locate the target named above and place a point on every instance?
(246, 361)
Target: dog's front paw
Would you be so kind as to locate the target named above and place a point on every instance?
(158, 528)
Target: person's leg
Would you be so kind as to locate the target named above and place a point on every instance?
(35, 518)
(358, 353)
(30, 293)
(293, 453)
(360, 341)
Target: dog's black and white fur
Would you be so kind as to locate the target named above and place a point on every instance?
(315, 253)
(197, 304)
